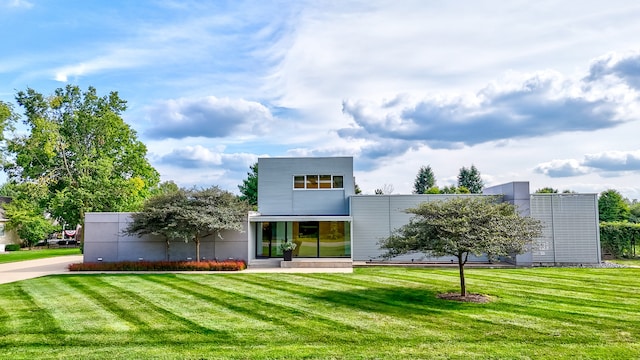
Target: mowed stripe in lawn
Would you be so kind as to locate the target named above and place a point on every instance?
(372, 313)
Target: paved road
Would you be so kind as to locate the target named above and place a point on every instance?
(29, 269)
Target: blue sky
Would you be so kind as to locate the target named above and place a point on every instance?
(543, 91)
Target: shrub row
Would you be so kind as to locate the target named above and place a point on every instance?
(226, 265)
(617, 238)
(12, 247)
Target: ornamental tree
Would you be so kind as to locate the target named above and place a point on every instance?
(189, 215)
(463, 226)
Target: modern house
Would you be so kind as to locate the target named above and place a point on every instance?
(312, 203)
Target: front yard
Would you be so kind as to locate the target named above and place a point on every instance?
(373, 313)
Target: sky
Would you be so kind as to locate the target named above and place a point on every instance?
(540, 91)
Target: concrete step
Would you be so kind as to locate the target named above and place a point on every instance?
(317, 263)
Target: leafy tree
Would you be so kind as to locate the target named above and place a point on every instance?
(433, 190)
(424, 180)
(462, 226)
(189, 215)
(164, 187)
(612, 206)
(357, 190)
(452, 189)
(470, 178)
(25, 212)
(547, 190)
(80, 148)
(7, 117)
(160, 216)
(634, 209)
(249, 186)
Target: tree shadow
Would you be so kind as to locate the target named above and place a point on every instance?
(392, 300)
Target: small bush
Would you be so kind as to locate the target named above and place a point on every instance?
(12, 247)
(226, 265)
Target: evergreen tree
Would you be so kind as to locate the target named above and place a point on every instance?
(424, 180)
(470, 179)
(249, 187)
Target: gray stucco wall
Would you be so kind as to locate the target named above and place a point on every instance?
(104, 238)
(276, 195)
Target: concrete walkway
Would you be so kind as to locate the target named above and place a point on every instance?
(23, 270)
(29, 269)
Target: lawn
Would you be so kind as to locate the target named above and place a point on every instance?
(374, 313)
(13, 256)
(627, 262)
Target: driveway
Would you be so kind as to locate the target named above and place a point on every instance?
(29, 269)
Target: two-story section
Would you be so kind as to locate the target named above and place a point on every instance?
(304, 201)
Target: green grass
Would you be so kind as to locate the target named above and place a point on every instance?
(628, 262)
(375, 313)
(22, 255)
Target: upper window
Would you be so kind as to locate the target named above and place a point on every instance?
(317, 182)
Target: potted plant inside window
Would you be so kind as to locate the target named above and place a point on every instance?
(287, 248)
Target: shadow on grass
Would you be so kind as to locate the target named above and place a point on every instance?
(392, 300)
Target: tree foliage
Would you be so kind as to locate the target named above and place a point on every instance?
(189, 215)
(249, 186)
(424, 180)
(612, 206)
(634, 210)
(547, 190)
(463, 226)
(79, 147)
(25, 212)
(618, 238)
(470, 179)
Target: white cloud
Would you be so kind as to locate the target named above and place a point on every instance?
(208, 117)
(562, 168)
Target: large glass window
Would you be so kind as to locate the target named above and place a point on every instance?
(269, 237)
(298, 182)
(313, 238)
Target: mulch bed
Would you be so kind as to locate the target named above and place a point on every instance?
(473, 298)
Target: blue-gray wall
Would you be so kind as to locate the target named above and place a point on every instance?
(104, 238)
(375, 217)
(276, 195)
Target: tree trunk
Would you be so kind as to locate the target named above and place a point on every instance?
(197, 248)
(463, 286)
(168, 249)
(214, 245)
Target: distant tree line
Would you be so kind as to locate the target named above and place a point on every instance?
(469, 182)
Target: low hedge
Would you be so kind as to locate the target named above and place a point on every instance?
(12, 247)
(617, 238)
(226, 265)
